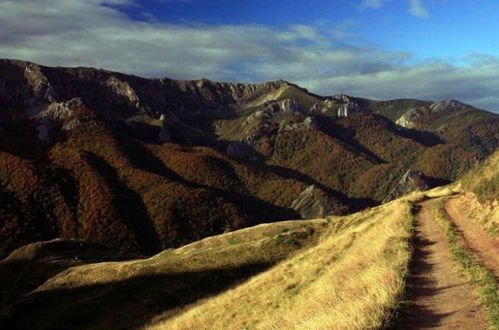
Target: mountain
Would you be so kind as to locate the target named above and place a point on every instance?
(141, 165)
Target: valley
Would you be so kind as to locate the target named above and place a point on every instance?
(137, 203)
(142, 165)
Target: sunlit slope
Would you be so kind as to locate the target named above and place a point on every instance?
(351, 279)
(480, 198)
(343, 272)
(128, 294)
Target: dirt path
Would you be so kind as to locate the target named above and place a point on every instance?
(485, 248)
(441, 298)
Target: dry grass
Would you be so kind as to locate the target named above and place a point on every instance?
(352, 279)
(480, 202)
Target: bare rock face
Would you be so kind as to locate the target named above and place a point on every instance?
(265, 122)
(446, 105)
(49, 117)
(341, 106)
(411, 181)
(320, 108)
(306, 123)
(417, 116)
(123, 88)
(341, 98)
(313, 203)
(348, 109)
(57, 111)
(39, 83)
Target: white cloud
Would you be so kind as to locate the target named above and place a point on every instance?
(86, 33)
(374, 4)
(417, 9)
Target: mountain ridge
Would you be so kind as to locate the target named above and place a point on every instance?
(146, 164)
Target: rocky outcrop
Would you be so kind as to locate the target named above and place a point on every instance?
(56, 111)
(321, 108)
(123, 88)
(447, 105)
(42, 89)
(415, 117)
(411, 181)
(313, 203)
(348, 109)
(266, 122)
(49, 117)
(306, 123)
(340, 105)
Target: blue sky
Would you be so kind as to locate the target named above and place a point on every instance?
(429, 49)
(439, 28)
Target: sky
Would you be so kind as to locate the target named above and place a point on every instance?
(380, 49)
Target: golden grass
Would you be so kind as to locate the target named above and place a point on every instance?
(262, 244)
(352, 279)
(480, 200)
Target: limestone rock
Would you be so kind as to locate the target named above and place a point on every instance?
(448, 104)
(307, 123)
(123, 89)
(56, 111)
(411, 181)
(39, 83)
(313, 203)
(348, 109)
(417, 116)
(341, 106)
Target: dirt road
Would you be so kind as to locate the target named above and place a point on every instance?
(440, 297)
(484, 247)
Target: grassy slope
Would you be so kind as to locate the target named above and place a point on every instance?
(480, 200)
(483, 180)
(98, 295)
(352, 279)
(340, 272)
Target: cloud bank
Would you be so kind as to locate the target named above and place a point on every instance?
(96, 33)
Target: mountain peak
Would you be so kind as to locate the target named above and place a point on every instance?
(448, 104)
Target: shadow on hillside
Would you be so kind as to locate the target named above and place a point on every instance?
(129, 205)
(425, 138)
(434, 182)
(329, 126)
(256, 208)
(355, 204)
(129, 303)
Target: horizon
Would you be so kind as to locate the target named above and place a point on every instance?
(377, 49)
(261, 82)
